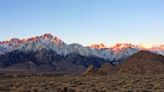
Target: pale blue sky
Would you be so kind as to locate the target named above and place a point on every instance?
(85, 21)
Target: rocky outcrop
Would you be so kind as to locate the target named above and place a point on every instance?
(90, 71)
(105, 69)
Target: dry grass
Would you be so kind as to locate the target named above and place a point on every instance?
(52, 83)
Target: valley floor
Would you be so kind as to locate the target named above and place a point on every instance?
(70, 83)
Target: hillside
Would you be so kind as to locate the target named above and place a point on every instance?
(143, 62)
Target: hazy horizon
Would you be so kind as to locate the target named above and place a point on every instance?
(85, 21)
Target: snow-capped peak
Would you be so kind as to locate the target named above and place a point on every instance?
(45, 41)
(48, 37)
(11, 42)
(16, 40)
(52, 38)
(120, 46)
(98, 46)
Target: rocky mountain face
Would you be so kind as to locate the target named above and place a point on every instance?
(49, 53)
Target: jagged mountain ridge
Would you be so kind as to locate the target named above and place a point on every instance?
(50, 42)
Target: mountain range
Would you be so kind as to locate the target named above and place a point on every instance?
(47, 53)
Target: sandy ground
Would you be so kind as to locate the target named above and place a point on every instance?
(113, 83)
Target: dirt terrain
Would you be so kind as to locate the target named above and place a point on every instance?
(71, 83)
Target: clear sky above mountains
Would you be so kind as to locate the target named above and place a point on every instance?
(85, 21)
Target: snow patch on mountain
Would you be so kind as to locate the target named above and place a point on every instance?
(4, 49)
